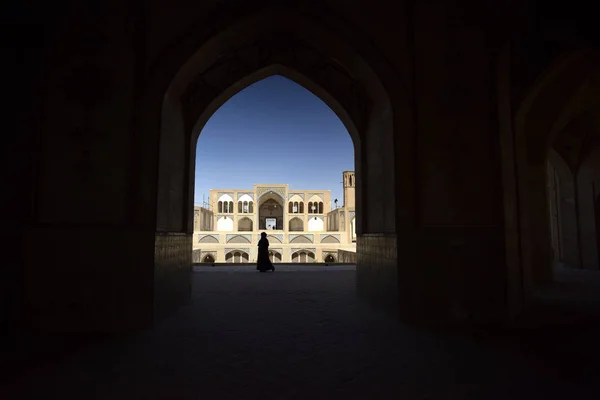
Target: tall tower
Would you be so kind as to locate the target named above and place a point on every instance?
(349, 190)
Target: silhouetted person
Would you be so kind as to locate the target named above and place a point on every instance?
(263, 263)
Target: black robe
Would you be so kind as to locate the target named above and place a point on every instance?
(263, 263)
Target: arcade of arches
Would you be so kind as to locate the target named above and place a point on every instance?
(461, 131)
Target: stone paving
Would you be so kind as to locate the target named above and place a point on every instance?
(300, 335)
(283, 267)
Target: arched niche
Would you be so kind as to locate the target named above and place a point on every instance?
(545, 109)
(245, 224)
(225, 224)
(296, 225)
(316, 224)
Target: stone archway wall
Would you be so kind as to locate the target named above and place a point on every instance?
(122, 190)
(566, 210)
(290, 44)
(536, 121)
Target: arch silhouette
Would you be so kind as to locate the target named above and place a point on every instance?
(179, 96)
(366, 101)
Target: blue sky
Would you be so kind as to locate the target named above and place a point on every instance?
(274, 131)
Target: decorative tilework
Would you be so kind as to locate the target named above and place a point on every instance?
(229, 250)
(351, 214)
(290, 195)
(200, 237)
(230, 236)
(321, 195)
(240, 194)
(337, 236)
(219, 194)
(274, 190)
(277, 235)
(294, 250)
(309, 236)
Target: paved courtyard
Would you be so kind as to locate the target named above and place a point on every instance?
(305, 335)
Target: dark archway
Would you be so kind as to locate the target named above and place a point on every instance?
(597, 214)
(298, 48)
(546, 109)
(208, 259)
(329, 258)
(270, 212)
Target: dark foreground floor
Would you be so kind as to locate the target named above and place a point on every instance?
(305, 335)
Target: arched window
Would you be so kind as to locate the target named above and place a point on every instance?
(251, 207)
(208, 259)
(351, 180)
(220, 206)
(231, 206)
(320, 207)
(301, 207)
(245, 207)
(237, 257)
(239, 206)
(329, 258)
(310, 206)
(291, 207)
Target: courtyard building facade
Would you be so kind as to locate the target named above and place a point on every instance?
(300, 224)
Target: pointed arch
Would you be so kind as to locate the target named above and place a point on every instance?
(273, 239)
(296, 225)
(208, 239)
(179, 97)
(239, 239)
(330, 239)
(539, 115)
(245, 224)
(301, 239)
